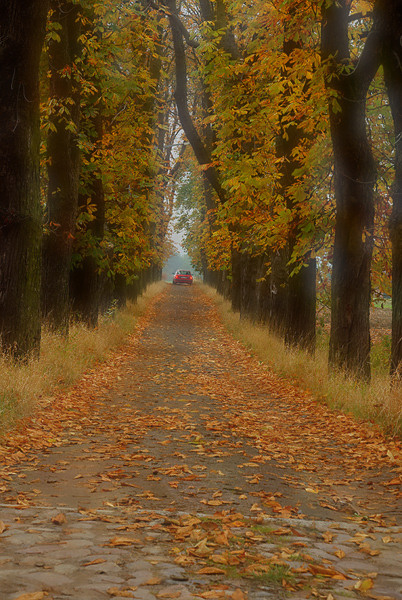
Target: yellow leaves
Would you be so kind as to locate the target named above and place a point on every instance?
(2, 526)
(368, 550)
(257, 569)
(201, 549)
(122, 593)
(340, 554)
(363, 585)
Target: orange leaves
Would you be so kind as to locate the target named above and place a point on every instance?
(153, 581)
(33, 596)
(211, 571)
(96, 561)
(123, 541)
(59, 519)
(326, 572)
(127, 592)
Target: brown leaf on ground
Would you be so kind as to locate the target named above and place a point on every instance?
(211, 571)
(153, 581)
(123, 541)
(121, 593)
(238, 595)
(96, 561)
(32, 596)
(326, 572)
(59, 519)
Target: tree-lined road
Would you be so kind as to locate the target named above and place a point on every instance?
(182, 468)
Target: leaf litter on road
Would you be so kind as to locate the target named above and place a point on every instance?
(224, 435)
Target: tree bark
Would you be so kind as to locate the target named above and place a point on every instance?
(390, 16)
(200, 150)
(355, 176)
(22, 29)
(85, 279)
(63, 167)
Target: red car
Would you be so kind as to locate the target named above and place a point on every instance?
(183, 277)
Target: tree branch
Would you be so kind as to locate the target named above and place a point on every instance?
(202, 154)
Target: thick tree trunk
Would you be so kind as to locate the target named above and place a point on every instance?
(85, 278)
(301, 313)
(249, 275)
(299, 322)
(278, 280)
(236, 277)
(391, 18)
(22, 28)
(355, 176)
(63, 168)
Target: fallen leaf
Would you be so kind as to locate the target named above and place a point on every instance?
(123, 541)
(59, 519)
(328, 536)
(2, 526)
(368, 550)
(325, 572)
(96, 561)
(201, 549)
(124, 593)
(211, 571)
(363, 585)
(238, 595)
(32, 596)
(340, 554)
(153, 581)
(168, 595)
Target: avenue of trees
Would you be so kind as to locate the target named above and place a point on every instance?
(275, 127)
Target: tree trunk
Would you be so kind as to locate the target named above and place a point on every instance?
(301, 313)
(63, 167)
(355, 176)
(299, 322)
(236, 285)
(22, 28)
(85, 278)
(391, 18)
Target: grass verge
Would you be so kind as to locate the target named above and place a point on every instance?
(376, 402)
(62, 361)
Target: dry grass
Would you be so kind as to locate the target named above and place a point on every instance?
(376, 403)
(62, 361)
